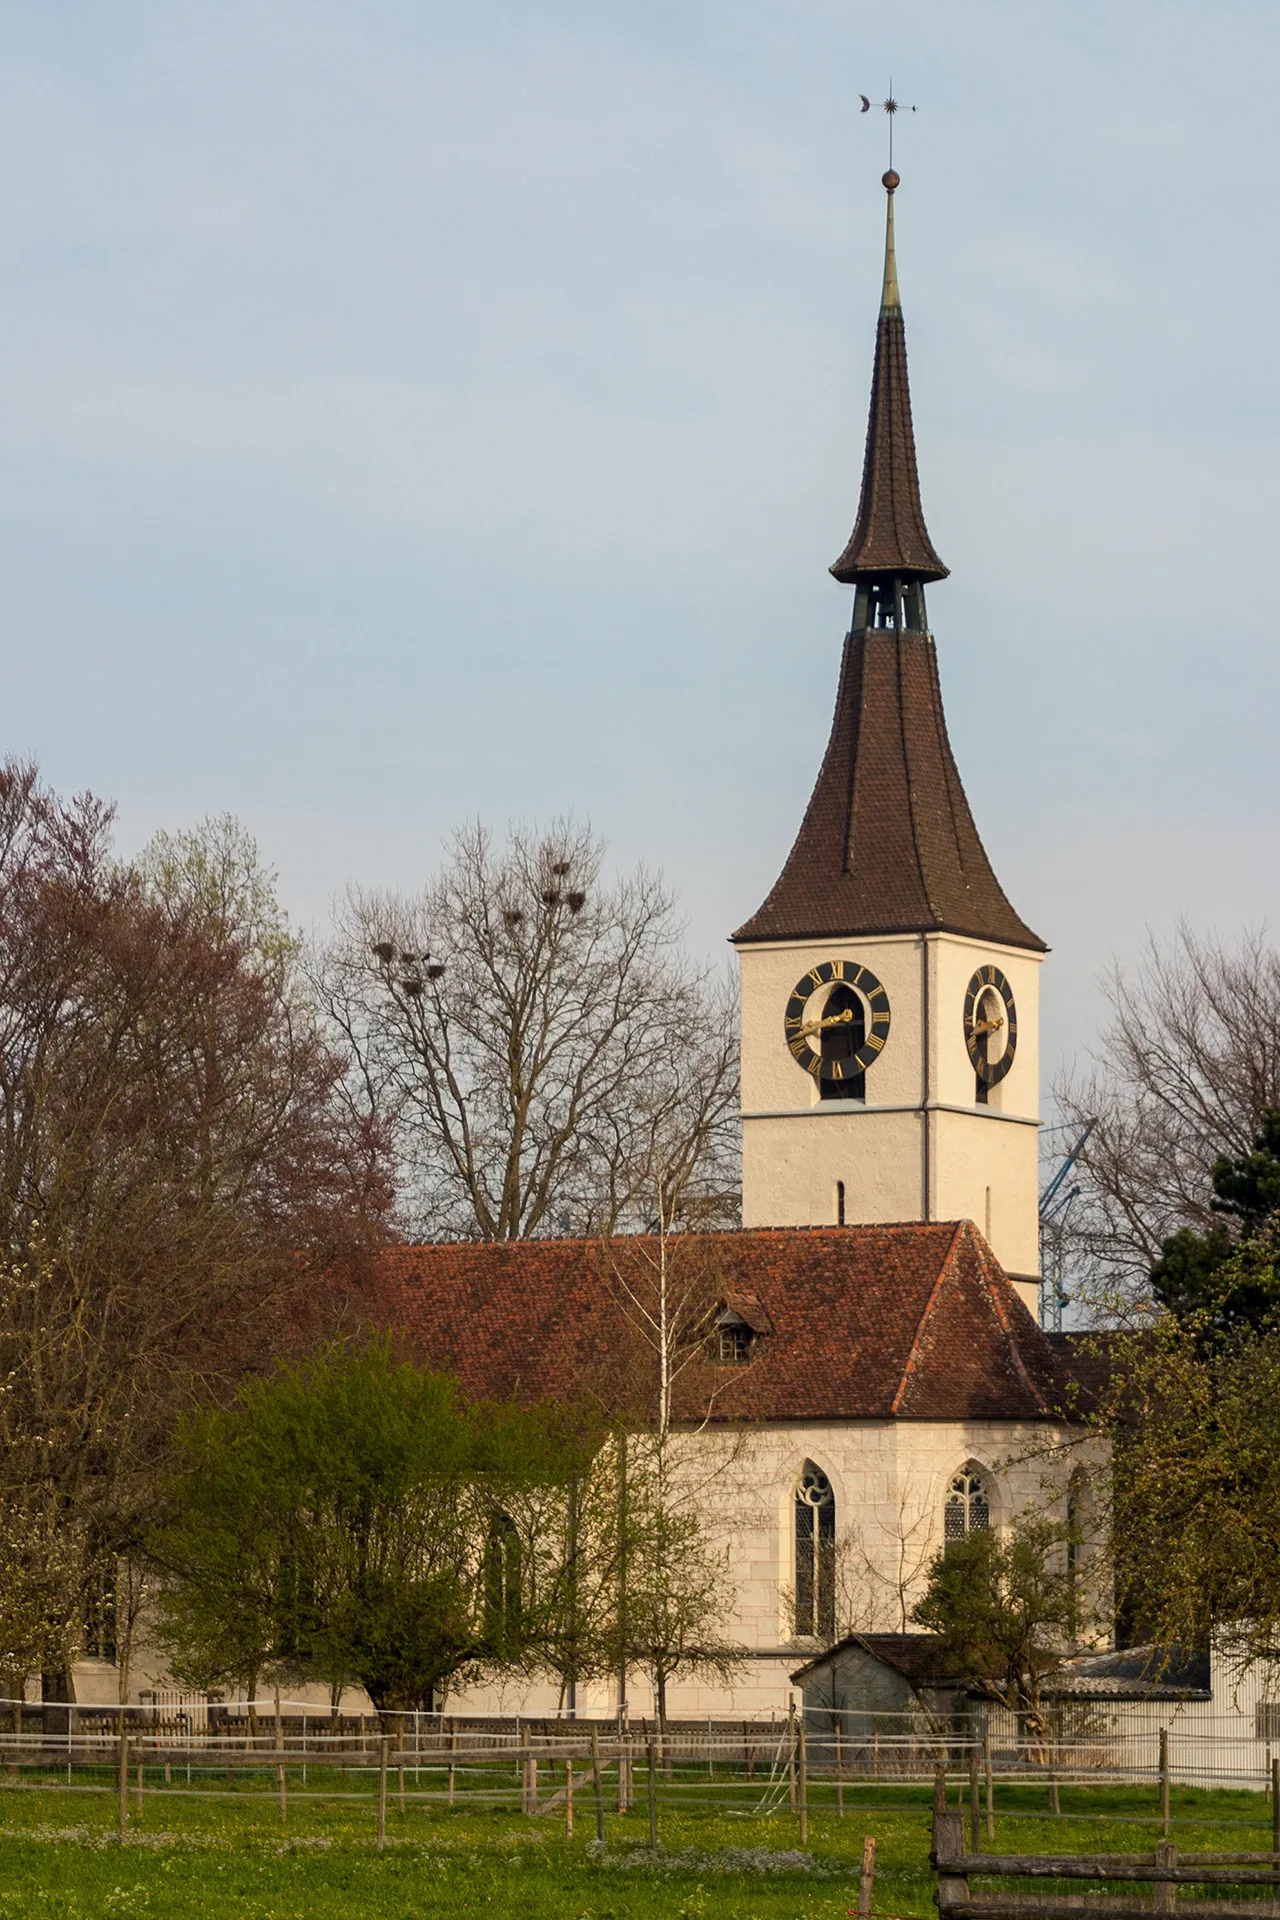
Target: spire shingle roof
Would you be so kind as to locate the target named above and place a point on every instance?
(888, 843)
(890, 536)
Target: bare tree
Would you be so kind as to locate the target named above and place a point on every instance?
(534, 1037)
(669, 1286)
(683, 1472)
(879, 1568)
(1183, 1072)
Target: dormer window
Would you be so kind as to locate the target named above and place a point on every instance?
(738, 1326)
(735, 1343)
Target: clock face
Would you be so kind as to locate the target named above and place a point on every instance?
(840, 999)
(990, 1025)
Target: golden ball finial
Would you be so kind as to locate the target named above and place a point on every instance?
(890, 180)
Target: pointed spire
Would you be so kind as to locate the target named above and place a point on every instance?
(888, 843)
(890, 536)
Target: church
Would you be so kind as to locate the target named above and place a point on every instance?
(877, 1350)
(868, 1377)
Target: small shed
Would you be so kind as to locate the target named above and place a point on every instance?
(891, 1683)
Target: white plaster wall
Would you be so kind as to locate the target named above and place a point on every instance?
(770, 1077)
(921, 1148)
(790, 1166)
(889, 1478)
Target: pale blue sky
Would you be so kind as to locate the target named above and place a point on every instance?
(415, 411)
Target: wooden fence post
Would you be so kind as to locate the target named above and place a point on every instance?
(138, 1790)
(1055, 1803)
(948, 1852)
(991, 1784)
(123, 1782)
(940, 1787)
(1164, 1781)
(1275, 1806)
(974, 1842)
(597, 1783)
(839, 1771)
(568, 1798)
(1166, 1856)
(867, 1878)
(804, 1787)
(284, 1790)
(653, 1796)
(453, 1748)
(383, 1745)
(791, 1754)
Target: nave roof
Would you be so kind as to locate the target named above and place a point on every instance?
(903, 1322)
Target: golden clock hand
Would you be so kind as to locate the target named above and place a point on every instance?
(833, 1020)
(987, 1026)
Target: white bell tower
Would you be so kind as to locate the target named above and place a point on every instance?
(890, 1010)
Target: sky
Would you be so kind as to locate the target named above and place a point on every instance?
(412, 413)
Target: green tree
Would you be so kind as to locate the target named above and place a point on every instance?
(1193, 1413)
(338, 1521)
(622, 1569)
(1005, 1608)
(1221, 1278)
(680, 1583)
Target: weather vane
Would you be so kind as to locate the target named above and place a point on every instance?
(890, 106)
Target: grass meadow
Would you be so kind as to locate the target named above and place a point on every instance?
(223, 1853)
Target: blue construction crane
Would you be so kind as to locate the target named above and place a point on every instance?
(1053, 1201)
(1055, 1204)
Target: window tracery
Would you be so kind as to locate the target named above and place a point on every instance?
(968, 1508)
(815, 1585)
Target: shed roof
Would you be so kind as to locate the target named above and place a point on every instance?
(920, 1658)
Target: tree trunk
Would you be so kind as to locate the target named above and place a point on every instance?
(56, 1685)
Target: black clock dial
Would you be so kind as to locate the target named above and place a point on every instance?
(990, 1025)
(853, 991)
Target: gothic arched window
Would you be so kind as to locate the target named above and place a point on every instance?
(815, 1554)
(502, 1581)
(842, 1042)
(968, 1507)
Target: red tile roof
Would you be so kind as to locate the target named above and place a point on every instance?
(907, 1322)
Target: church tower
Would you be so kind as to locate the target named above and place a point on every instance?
(890, 1014)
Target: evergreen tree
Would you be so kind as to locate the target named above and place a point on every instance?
(1220, 1278)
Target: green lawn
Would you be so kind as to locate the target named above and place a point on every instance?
(227, 1856)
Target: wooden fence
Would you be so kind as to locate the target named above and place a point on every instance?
(1164, 1871)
